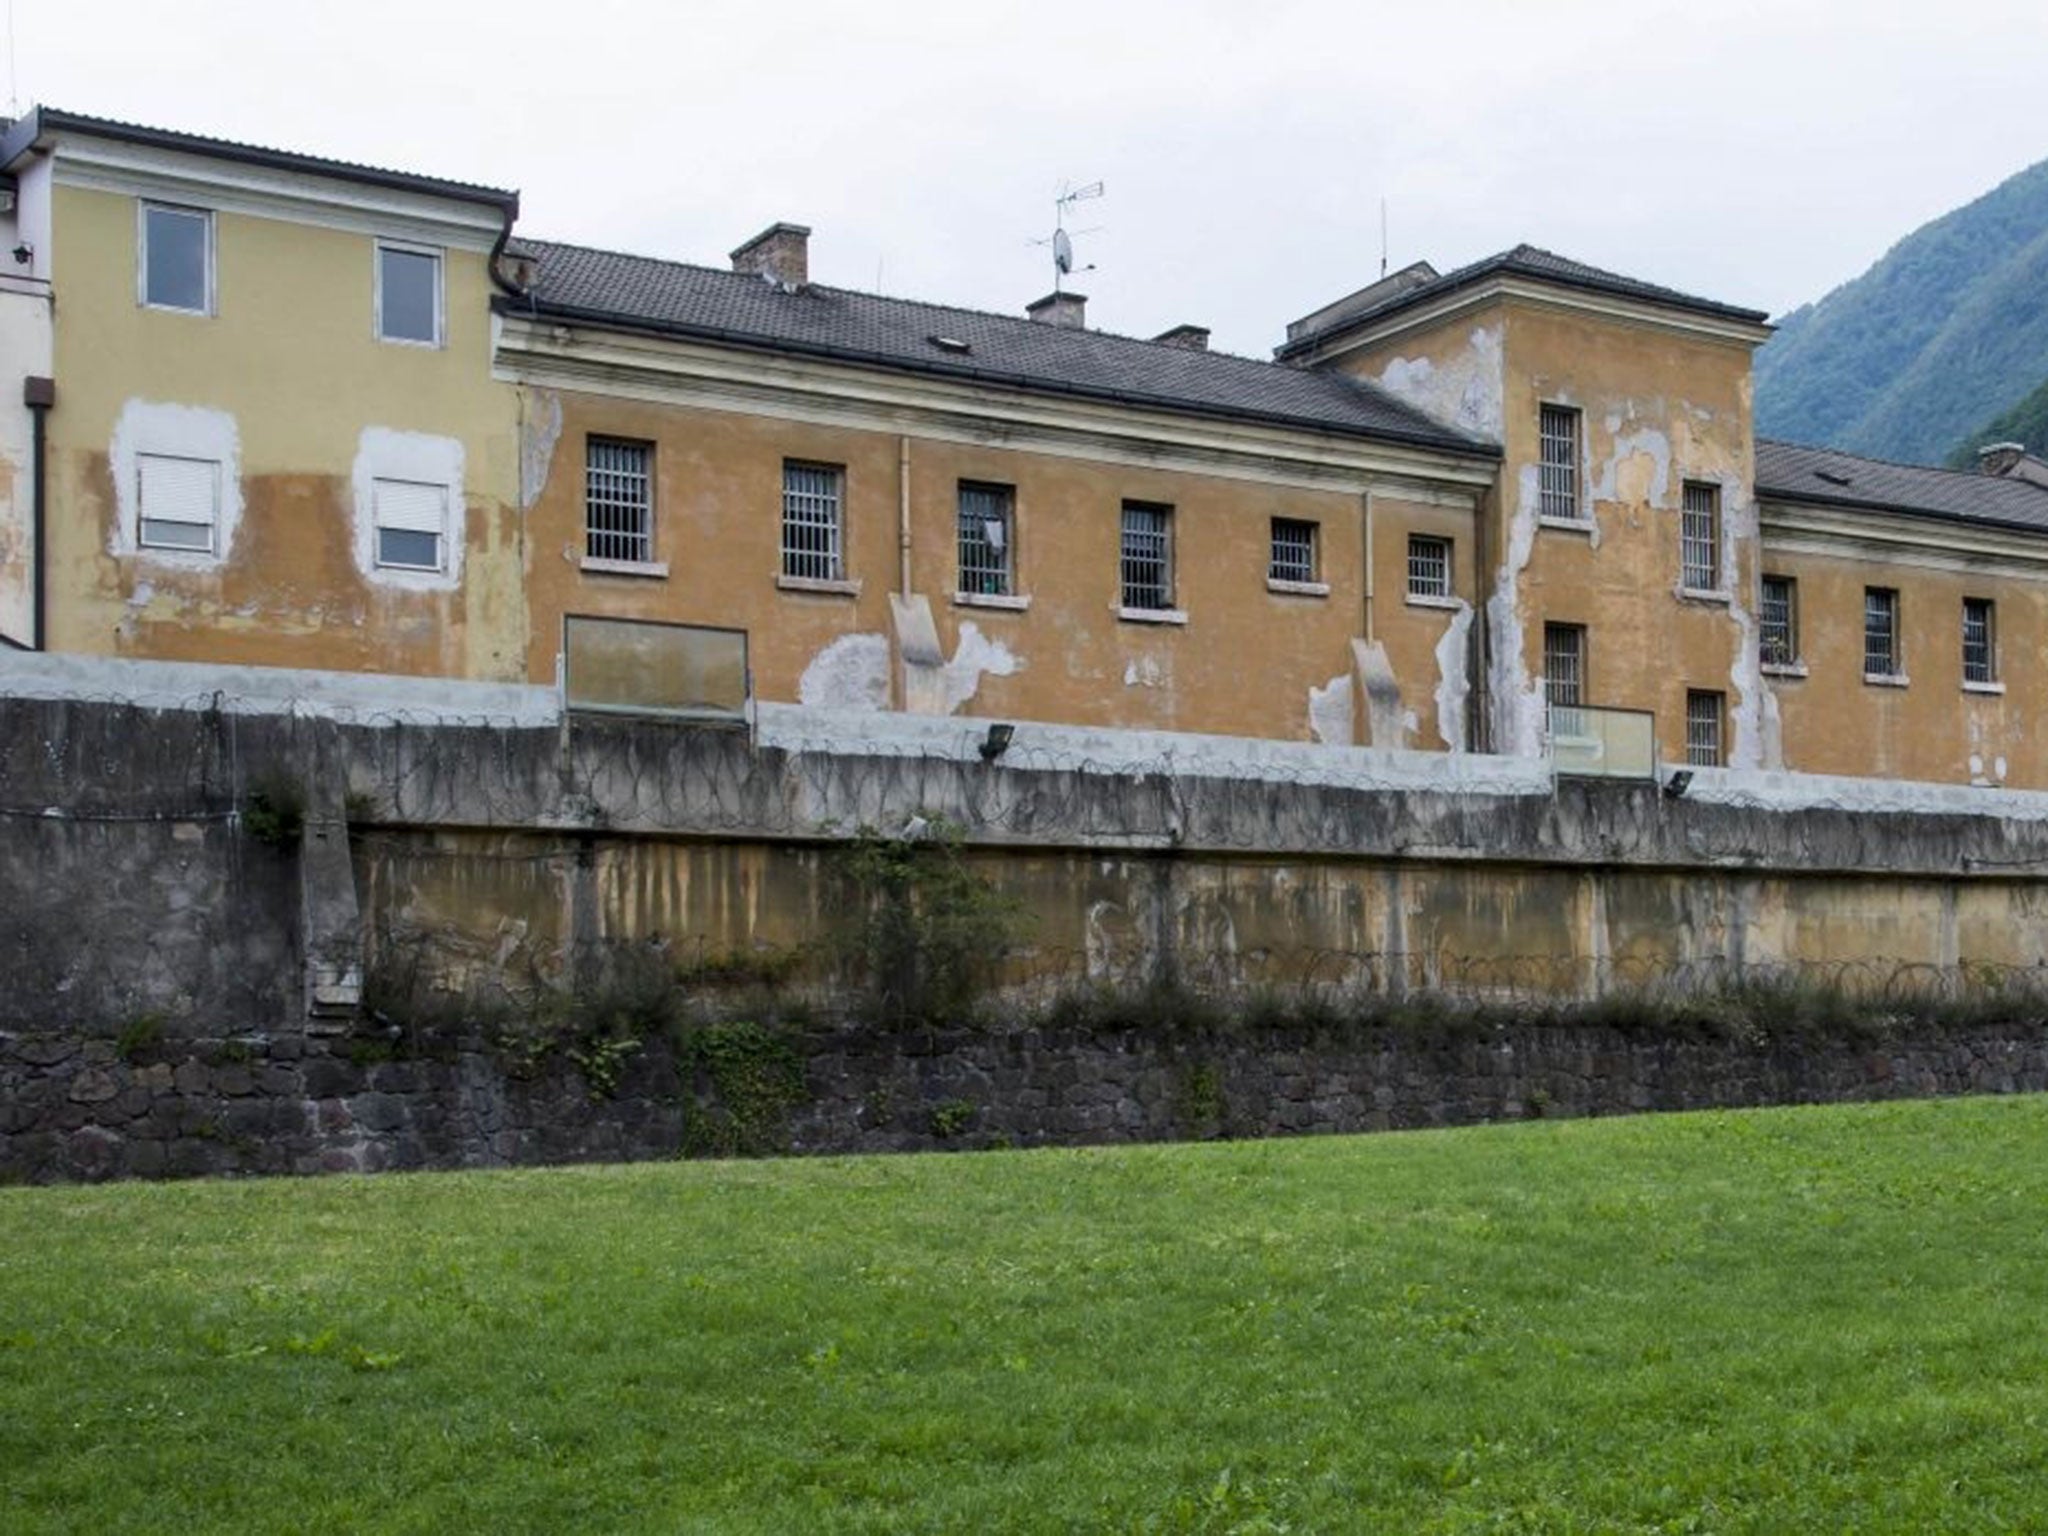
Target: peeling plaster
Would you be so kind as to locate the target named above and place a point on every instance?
(850, 673)
(182, 431)
(1146, 672)
(1517, 701)
(1453, 681)
(1332, 713)
(1753, 714)
(1627, 477)
(1466, 390)
(383, 453)
(538, 434)
(973, 657)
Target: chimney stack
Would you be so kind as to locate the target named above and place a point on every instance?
(1191, 338)
(780, 253)
(1069, 310)
(1999, 458)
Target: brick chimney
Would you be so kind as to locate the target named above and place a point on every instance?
(1069, 310)
(1192, 338)
(781, 253)
(2000, 458)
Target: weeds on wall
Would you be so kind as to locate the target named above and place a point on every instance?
(274, 811)
(756, 1079)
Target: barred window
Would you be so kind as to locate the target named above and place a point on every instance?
(987, 523)
(1564, 665)
(1980, 641)
(1429, 566)
(1779, 630)
(1294, 551)
(618, 500)
(1703, 715)
(812, 534)
(1559, 429)
(1880, 632)
(1147, 557)
(1700, 537)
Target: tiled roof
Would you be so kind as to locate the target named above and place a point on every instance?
(604, 287)
(1522, 261)
(1822, 475)
(15, 138)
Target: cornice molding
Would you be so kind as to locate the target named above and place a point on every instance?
(546, 354)
(1935, 544)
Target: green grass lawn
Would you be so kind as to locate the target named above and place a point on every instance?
(1796, 1320)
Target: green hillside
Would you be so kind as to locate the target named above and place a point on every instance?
(1917, 354)
(2025, 423)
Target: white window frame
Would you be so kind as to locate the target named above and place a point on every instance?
(1579, 513)
(819, 542)
(408, 248)
(606, 545)
(143, 208)
(440, 567)
(1706, 714)
(1699, 537)
(974, 501)
(1303, 536)
(211, 550)
(1885, 601)
(1788, 661)
(1423, 549)
(1988, 641)
(1154, 551)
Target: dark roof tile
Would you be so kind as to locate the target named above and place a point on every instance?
(1823, 475)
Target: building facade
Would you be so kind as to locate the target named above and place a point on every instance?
(299, 412)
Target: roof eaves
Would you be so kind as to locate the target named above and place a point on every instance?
(1770, 492)
(1443, 440)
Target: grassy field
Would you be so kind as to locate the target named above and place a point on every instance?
(1802, 1320)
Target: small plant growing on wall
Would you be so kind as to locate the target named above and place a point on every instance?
(274, 812)
(927, 935)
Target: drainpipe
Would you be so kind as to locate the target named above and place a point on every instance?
(903, 511)
(1369, 635)
(39, 394)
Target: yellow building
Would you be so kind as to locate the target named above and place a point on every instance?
(312, 414)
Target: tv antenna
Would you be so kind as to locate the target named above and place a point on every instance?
(1062, 239)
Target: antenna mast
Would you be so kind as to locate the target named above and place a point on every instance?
(1383, 237)
(1061, 240)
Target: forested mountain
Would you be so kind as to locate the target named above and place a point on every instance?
(2025, 423)
(1921, 352)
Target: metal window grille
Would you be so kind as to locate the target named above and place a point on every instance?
(1559, 430)
(618, 501)
(1880, 632)
(1703, 714)
(1147, 563)
(1980, 662)
(811, 531)
(1564, 665)
(1429, 566)
(1779, 630)
(987, 521)
(1294, 550)
(1700, 537)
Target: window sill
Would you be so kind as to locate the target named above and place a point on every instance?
(1885, 679)
(1297, 588)
(1584, 525)
(1983, 687)
(1704, 595)
(1784, 668)
(414, 342)
(1010, 602)
(819, 585)
(602, 567)
(1430, 600)
(1152, 615)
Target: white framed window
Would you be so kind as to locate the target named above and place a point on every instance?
(1558, 429)
(1429, 566)
(1564, 677)
(411, 524)
(1145, 564)
(1699, 538)
(408, 294)
(177, 503)
(813, 527)
(174, 258)
(1294, 557)
(987, 525)
(1980, 641)
(618, 500)
(1778, 630)
(1881, 632)
(1704, 712)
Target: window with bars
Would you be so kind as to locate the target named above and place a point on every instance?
(1700, 537)
(1880, 632)
(1564, 669)
(1429, 566)
(1704, 712)
(1294, 551)
(1559, 429)
(1778, 631)
(178, 502)
(1980, 641)
(618, 500)
(987, 529)
(1146, 566)
(812, 526)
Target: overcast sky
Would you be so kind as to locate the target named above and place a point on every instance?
(1758, 153)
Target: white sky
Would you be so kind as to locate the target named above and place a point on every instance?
(1754, 151)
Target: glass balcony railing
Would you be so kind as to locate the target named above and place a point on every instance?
(641, 667)
(1590, 742)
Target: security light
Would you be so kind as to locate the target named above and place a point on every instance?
(997, 742)
(1679, 782)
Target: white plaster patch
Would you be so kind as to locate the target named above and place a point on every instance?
(1519, 713)
(1146, 672)
(973, 657)
(850, 673)
(1757, 742)
(1453, 682)
(1465, 391)
(417, 458)
(182, 432)
(539, 433)
(1629, 447)
(1332, 714)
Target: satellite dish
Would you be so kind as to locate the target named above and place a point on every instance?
(1062, 251)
